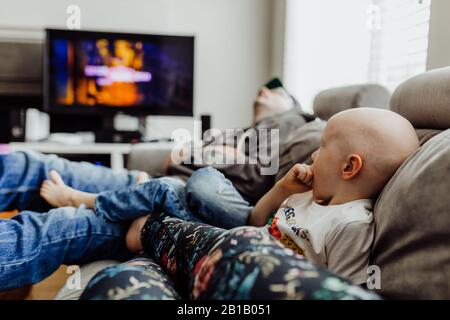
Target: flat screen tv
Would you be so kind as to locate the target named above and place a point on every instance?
(91, 72)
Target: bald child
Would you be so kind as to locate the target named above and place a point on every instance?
(324, 211)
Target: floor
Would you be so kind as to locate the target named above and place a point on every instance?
(47, 289)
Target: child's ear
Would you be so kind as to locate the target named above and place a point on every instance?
(352, 166)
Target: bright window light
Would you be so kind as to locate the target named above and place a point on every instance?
(331, 43)
(399, 44)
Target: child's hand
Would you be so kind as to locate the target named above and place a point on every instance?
(297, 180)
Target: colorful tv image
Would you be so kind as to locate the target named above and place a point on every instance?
(151, 74)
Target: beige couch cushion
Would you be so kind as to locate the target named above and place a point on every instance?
(426, 134)
(331, 101)
(149, 157)
(425, 99)
(412, 223)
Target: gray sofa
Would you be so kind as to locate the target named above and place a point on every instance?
(412, 215)
(334, 100)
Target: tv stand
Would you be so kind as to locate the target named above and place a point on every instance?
(108, 134)
(101, 125)
(112, 155)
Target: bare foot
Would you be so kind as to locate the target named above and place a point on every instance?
(133, 238)
(56, 192)
(142, 177)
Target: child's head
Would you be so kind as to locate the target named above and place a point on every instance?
(360, 151)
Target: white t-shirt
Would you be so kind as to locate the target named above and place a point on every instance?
(338, 237)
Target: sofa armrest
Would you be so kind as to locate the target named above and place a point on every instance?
(149, 157)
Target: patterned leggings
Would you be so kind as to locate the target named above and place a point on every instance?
(190, 260)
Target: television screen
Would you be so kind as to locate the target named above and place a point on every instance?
(99, 71)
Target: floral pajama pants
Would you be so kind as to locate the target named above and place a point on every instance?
(189, 260)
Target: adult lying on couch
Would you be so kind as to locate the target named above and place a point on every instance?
(299, 137)
(275, 108)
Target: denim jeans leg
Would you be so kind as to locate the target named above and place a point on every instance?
(34, 245)
(155, 196)
(215, 200)
(22, 173)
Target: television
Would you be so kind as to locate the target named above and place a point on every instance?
(103, 73)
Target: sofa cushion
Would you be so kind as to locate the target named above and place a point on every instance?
(331, 101)
(426, 134)
(412, 226)
(425, 99)
(149, 157)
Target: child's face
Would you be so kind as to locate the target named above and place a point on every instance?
(326, 166)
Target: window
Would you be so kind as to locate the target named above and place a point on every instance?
(399, 40)
(332, 43)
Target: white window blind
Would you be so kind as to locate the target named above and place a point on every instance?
(399, 40)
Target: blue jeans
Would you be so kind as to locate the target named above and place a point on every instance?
(22, 173)
(32, 244)
(207, 197)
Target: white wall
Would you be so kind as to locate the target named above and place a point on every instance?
(327, 44)
(277, 38)
(232, 42)
(439, 37)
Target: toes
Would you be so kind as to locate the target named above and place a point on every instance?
(43, 190)
(46, 187)
(142, 177)
(56, 177)
(47, 184)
